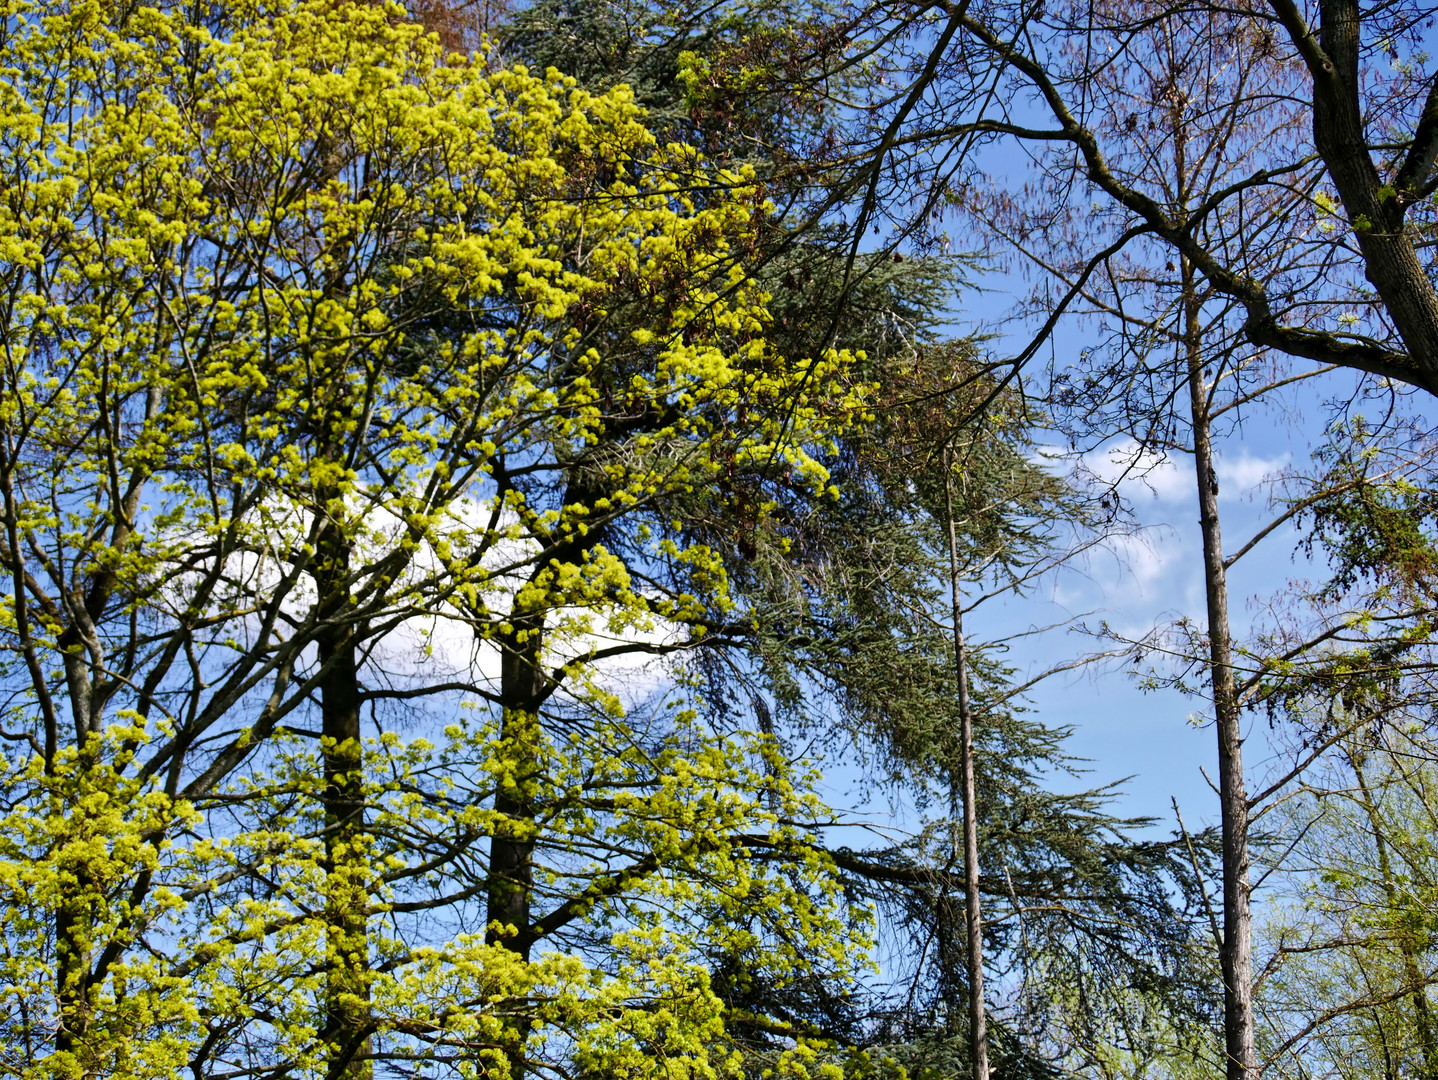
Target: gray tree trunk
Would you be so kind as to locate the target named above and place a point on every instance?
(1236, 953)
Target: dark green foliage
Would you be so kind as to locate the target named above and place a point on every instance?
(846, 649)
(839, 641)
(1374, 522)
(662, 53)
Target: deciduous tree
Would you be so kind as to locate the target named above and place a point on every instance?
(304, 320)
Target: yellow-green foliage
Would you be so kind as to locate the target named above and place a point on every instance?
(279, 272)
(227, 935)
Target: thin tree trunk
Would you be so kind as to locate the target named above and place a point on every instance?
(1236, 953)
(88, 689)
(347, 1025)
(76, 915)
(978, 1021)
(523, 687)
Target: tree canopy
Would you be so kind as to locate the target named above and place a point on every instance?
(474, 483)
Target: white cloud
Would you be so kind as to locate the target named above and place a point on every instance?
(1133, 575)
(1243, 475)
(1141, 474)
(1137, 472)
(1146, 558)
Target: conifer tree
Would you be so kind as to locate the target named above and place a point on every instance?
(839, 597)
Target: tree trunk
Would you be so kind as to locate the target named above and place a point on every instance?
(978, 1021)
(511, 852)
(1391, 262)
(509, 914)
(523, 687)
(1236, 953)
(76, 915)
(347, 1021)
(73, 920)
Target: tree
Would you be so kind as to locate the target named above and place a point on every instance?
(965, 76)
(1187, 113)
(840, 593)
(1345, 986)
(1224, 236)
(302, 323)
(1179, 113)
(1347, 990)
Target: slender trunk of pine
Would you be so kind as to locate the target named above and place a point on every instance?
(978, 1021)
(347, 1020)
(1422, 1013)
(1236, 954)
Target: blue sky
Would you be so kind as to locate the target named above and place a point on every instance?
(1137, 582)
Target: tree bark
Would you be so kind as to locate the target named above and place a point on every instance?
(347, 1020)
(1236, 953)
(523, 687)
(509, 913)
(511, 859)
(978, 1020)
(73, 920)
(1391, 262)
